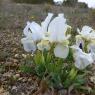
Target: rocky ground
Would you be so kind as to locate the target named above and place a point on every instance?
(13, 18)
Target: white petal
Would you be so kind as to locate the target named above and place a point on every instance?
(26, 30)
(57, 29)
(45, 23)
(86, 30)
(28, 44)
(92, 35)
(81, 61)
(93, 56)
(78, 30)
(90, 3)
(58, 2)
(91, 49)
(61, 51)
(37, 32)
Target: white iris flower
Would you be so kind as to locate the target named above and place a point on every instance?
(82, 59)
(57, 34)
(58, 2)
(90, 3)
(49, 32)
(87, 32)
(34, 32)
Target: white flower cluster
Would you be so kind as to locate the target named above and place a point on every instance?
(59, 2)
(84, 50)
(90, 3)
(55, 32)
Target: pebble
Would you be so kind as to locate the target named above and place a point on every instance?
(24, 80)
(92, 79)
(15, 61)
(20, 79)
(24, 56)
(29, 80)
(16, 55)
(8, 74)
(16, 76)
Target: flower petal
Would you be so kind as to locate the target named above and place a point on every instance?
(37, 32)
(57, 28)
(91, 49)
(61, 51)
(78, 30)
(27, 31)
(28, 44)
(43, 45)
(58, 2)
(45, 23)
(86, 30)
(79, 42)
(81, 61)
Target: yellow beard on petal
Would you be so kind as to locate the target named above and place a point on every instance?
(44, 44)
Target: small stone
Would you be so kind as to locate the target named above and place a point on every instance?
(29, 80)
(24, 80)
(92, 79)
(5, 93)
(1, 90)
(22, 94)
(16, 55)
(14, 88)
(14, 64)
(15, 61)
(20, 79)
(15, 49)
(24, 56)
(16, 76)
(8, 74)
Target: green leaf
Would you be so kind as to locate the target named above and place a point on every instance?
(40, 70)
(26, 69)
(38, 58)
(72, 74)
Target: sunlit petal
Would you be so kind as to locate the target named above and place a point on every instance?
(57, 28)
(43, 45)
(37, 32)
(82, 59)
(86, 30)
(61, 51)
(91, 49)
(45, 23)
(27, 31)
(78, 30)
(28, 44)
